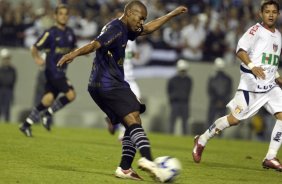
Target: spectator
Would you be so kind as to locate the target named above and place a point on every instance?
(179, 89)
(194, 35)
(214, 45)
(8, 30)
(172, 36)
(219, 89)
(88, 28)
(8, 78)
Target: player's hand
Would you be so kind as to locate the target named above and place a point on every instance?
(179, 10)
(279, 81)
(67, 58)
(39, 61)
(259, 72)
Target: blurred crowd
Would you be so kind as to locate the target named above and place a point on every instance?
(211, 28)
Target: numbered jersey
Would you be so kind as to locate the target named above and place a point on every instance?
(263, 48)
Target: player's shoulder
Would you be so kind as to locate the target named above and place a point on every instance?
(278, 32)
(113, 26)
(69, 29)
(116, 24)
(255, 29)
(52, 29)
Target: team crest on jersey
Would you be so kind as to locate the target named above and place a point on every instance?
(275, 47)
(70, 38)
(238, 109)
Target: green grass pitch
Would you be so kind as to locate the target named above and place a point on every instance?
(90, 156)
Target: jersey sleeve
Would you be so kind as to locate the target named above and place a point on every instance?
(248, 39)
(43, 41)
(108, 35)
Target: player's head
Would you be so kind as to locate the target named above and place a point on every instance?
(269, 11)
(62, 14)
(264, 3)
(135, 13)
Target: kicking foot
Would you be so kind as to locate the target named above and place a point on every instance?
(151, 168)
(197, 150)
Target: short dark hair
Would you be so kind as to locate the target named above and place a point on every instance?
(61, 6)
(269, 2)
(130, 4)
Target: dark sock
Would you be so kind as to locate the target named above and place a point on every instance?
(40, 107)
(26, 124)
(139, 138)
(59, 104)
(128, 152)
(34, 116)
(47, 113)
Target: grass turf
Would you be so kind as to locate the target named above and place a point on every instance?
(84, 156)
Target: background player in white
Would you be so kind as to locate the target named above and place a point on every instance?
(259, 50)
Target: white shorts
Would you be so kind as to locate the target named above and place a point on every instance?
(247, 104)
(135, 88)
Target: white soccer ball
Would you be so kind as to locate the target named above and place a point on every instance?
(169, 167)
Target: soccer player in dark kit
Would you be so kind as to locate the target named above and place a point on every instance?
(56, 41)
(112, 93)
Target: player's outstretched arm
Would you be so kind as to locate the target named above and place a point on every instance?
(256, 70)
(84, 50)
(157, 23)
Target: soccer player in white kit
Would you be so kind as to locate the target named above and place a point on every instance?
(259, 51)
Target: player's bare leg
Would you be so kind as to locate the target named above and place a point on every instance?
(218, 126)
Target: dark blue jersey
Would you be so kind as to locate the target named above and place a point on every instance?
(107, 71)
(56, 42)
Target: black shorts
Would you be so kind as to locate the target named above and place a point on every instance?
(56, 86)
(116, 103)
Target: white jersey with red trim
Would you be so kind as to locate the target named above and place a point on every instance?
(263, 48)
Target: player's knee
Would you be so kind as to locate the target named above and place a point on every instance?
(48, 99)
(232, 120)
(132, 118)
(71, 95)
(278, 116)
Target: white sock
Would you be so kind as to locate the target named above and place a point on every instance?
(121, 132)
(50, 110)
(219, 125)
(275, 141)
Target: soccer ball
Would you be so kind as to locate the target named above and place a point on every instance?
(169, 167)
